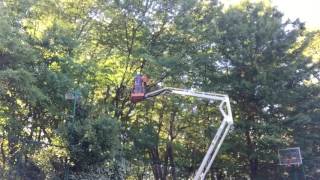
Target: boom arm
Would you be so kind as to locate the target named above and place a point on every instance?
(223, 130)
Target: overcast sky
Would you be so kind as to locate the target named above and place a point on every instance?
(307, 11)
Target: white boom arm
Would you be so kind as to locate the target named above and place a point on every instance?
(223, 130)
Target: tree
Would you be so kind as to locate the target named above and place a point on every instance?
(49, 48)
(263, 73)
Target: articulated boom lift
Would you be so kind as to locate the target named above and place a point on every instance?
(138, 94)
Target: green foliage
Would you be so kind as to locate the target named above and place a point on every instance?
(92, 142)
(269, 68)
(147, 137)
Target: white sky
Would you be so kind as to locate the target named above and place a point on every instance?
(307, 11)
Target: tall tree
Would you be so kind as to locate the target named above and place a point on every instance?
(263, 72)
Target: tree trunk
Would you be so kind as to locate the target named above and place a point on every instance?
(170, 145)
(253, 161)
(166, 158)
(220, 175)
(253, 168)
(171, 158)
(156, 164)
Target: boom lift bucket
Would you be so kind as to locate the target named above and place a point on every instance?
(139, 88)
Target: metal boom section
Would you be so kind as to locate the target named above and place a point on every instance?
(223, 130)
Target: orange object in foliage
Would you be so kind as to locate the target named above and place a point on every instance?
(138, 91)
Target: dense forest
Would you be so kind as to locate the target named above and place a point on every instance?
(67, 69)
